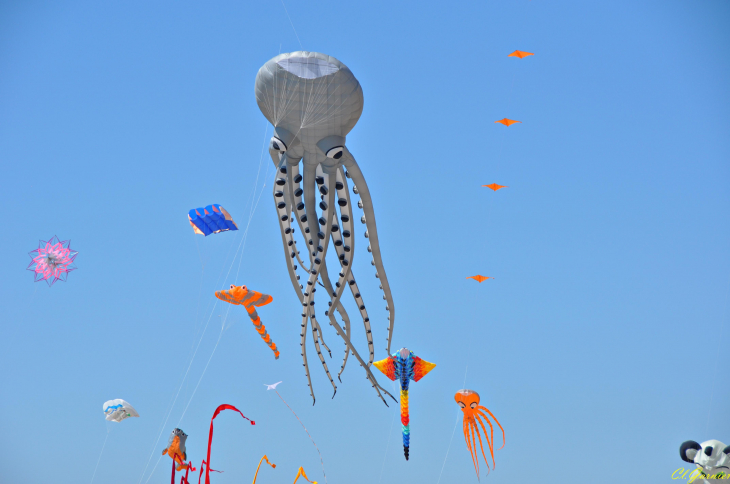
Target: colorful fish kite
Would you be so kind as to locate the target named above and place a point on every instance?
(520, 54)
(405, 366)
(247, 298)
(479, 278)
(468, 400)
(176, 448)
(52, 260)
(211, 220)
(495, 187)
(507, 122)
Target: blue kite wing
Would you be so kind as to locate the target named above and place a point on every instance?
(211, 220)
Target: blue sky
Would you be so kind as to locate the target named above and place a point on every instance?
(600, 345)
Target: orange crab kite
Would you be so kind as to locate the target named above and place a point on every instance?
(495, 187)
(468, 400)
(247, 298)
(507, 122)
(520, 54)
(479, 278)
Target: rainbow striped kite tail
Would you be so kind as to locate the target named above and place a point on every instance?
(405, 422)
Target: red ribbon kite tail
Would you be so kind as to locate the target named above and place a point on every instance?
(218, 410)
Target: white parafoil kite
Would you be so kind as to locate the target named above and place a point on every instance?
(117, 410)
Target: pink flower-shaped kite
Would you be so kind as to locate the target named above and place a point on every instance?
(52, 260)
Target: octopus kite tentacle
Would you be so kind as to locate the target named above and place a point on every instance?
(342, 251)
(316, 336)
(280, 190)
(372, 234)
(294, 179)
(309, 200)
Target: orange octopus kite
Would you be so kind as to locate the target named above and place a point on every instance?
(468, 400)
(507, 122)
(495, 187)
(479, 278)
(520, 54)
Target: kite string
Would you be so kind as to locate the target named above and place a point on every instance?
(223, 325)
(307, 431)
(453, 432)
(292, 25)
(387, 445)
(153, 470)
(99, 459)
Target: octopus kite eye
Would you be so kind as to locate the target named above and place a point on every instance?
(278, 144)
(473, 404)
(461, 404)
(335, 152)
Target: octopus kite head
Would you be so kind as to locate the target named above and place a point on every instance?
(308, 97)
(467, 399)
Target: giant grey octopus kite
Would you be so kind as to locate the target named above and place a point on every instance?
(313, 101)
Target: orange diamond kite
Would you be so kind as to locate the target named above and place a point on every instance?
(479, 278)
(495, 187)
(507, 122)
(520, 54)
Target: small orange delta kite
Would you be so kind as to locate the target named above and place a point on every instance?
(495, 187)
(520, 54)
(475, 415)
(507, 122)
(247, 298)
(479, 278)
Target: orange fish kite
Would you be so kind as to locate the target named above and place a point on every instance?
(247, 298)
(507, 122)
(520, 54)
(495, 187)
(479, 278)
(176, 448)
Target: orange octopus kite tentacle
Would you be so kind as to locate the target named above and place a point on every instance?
(497, 421)
(481, 446)
(490, 441)
(474, 443)
(468, 444)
